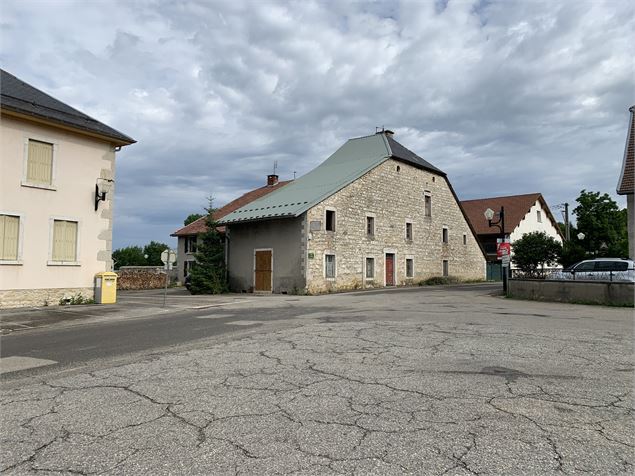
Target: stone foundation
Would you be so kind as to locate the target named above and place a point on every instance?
(12, 298)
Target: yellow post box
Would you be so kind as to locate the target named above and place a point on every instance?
(106, 287)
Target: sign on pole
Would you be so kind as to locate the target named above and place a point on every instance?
(168, 257)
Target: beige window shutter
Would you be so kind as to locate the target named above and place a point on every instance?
(9, 232)
(40, 162)
(71, 241)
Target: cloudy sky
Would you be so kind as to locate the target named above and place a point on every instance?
(506, 97)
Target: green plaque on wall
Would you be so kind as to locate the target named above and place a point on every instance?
(311, 255)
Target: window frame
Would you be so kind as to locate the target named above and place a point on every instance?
(445, 235)
(411, 259)
(427, 204)
(538, 216)
(366, 277)
(411, 237)
(188, 240)
(464, 239)
(330, 278)
(445, 268)
(371, 217)
(326, 212)
(21, 218)
(51, 261)
(25, 162)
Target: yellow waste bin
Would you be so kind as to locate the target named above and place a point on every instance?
(106, 287)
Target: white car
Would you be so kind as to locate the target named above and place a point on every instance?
(604, 269)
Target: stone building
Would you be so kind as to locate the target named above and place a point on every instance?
(56, 190)
(626, 183)
(373, 214)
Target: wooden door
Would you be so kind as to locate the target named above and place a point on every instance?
(390, 269)
(262, 270)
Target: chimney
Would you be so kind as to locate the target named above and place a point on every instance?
(272, 180)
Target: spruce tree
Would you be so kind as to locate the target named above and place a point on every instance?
(208, 274)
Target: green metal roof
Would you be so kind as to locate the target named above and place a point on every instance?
(348, 163)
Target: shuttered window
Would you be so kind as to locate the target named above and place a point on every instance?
(9, 233)
(39, 169)
(64, 240)
(370, 268)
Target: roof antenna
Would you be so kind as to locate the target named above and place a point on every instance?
(294, 175)
(275, 166)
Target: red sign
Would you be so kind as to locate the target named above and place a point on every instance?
(503, 249)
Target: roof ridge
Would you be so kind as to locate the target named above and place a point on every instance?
(502, 196)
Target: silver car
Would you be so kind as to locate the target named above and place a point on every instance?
(604, 269)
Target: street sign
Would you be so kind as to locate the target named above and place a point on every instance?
(503, 249)
(168, 256)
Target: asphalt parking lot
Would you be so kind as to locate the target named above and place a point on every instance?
(419, 381)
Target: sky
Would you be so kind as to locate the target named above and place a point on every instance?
(506, 97)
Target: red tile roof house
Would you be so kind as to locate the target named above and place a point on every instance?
(626, 183)
(523, 214)
(189, 234)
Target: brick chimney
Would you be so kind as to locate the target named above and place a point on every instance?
(272, 180)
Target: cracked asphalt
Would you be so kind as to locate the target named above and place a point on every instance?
(416, 381)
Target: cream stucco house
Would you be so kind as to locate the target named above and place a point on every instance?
(56, 190)
(373, 214)
(522, 213)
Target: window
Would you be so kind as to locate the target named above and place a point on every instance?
(330, 220)
(370, 268)
(445, 267)
(585, 266)
(446, 235)
(190, 244)
(64, 241)
(465, 238)
(370, 226)
(9, 237)
(538, 216)
(410, 268)
(428, 205)
(329, 266)
(408, 231)
(39, 164)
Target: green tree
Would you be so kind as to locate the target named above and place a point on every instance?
(208, 274)
(192, 217)
(128, 256)
(603, 224)
(153, 250)
(535, 250)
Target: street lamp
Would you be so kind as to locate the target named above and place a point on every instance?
(581, 236)
(500, 224)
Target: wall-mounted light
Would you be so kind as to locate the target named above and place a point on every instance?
(102, 188)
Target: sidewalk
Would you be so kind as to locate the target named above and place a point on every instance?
(130, 304)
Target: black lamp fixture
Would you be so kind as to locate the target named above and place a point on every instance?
(102, 188)
(500, 224)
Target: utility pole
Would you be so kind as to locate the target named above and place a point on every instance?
(567, 226)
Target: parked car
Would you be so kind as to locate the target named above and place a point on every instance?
(605, 269)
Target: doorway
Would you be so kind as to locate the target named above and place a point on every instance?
(390, 269)
(263, 270)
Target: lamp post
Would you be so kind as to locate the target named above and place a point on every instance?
(500, 224)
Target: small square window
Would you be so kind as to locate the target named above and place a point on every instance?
(330, 220)
(370, 226)
(329, 266)
(410, 268)
(445, 267)
(446, 235)
(370, 268)
(428, 205)
(408, 231)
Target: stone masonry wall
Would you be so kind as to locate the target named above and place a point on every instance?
(12, 298)
(393, 192)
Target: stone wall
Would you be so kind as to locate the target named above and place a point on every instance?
(393, 193)
(141, 277)
(583, 292)
(12, 298)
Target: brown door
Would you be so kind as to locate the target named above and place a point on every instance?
(390, 270)
(263, 270)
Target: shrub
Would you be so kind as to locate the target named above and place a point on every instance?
(439, 280)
